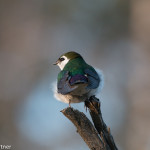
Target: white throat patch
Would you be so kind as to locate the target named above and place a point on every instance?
(63, 63)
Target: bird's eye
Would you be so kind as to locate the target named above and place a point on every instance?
(62, 59)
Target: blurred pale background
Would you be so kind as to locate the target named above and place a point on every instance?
(111, 35)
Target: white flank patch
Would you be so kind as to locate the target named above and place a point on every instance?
(101, 76)
(58, 96)
(54, 88)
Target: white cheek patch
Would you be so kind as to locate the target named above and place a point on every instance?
(63, 63)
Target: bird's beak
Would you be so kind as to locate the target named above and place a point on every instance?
(56, 62)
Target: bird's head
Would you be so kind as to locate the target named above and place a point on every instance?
(65, 58)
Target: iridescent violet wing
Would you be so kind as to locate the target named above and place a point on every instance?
(78, 79)
(63, 85)
(93, 79)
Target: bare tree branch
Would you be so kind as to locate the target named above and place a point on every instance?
(84, 128)
(94, 108)
(98, 137)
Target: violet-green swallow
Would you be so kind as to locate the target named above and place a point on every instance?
(77, 80)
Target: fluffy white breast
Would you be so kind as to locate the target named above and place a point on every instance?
(63, 63)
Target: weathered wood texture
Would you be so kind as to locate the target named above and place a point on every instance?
(97, 137)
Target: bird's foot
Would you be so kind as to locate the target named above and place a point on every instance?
(85, 102)
(92, 101)
(69, 103)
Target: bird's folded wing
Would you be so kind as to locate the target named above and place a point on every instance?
(78, 79)
(63, 85)
(93, 78)
(67, 83)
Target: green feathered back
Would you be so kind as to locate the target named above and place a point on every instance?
(75, 66)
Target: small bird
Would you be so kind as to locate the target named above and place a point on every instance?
(77, 81)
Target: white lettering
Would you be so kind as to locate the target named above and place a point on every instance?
(5, 147)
